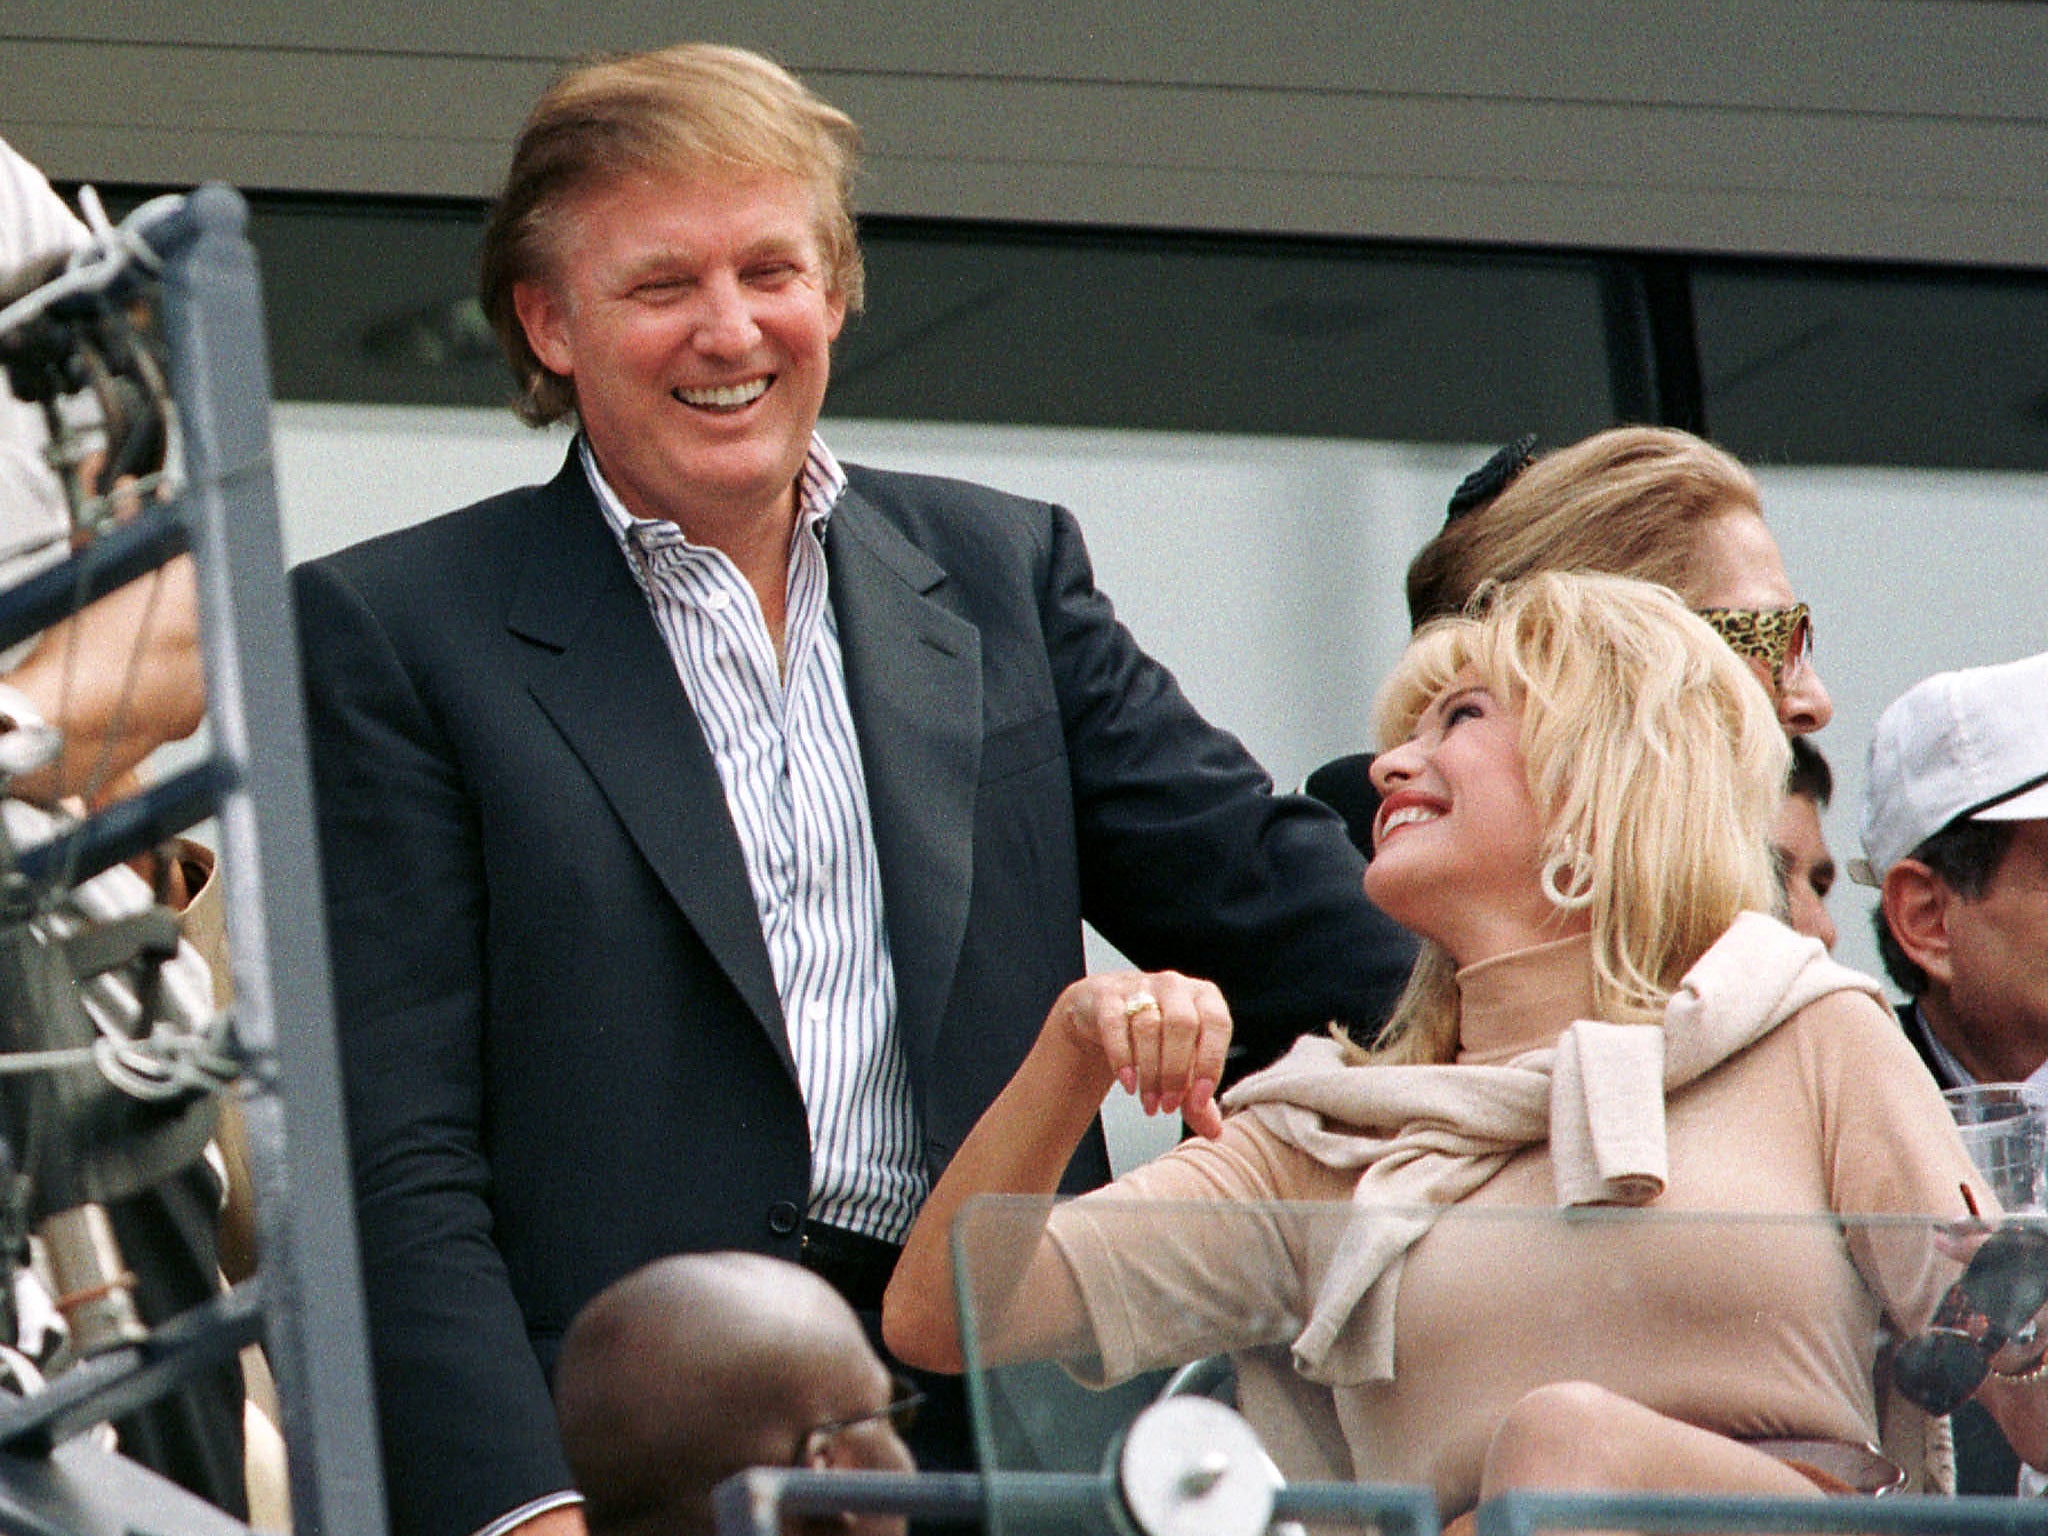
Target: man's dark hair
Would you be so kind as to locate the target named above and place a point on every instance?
(1965, 855)
(1810, 775)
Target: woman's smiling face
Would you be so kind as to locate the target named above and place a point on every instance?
(1458, 841)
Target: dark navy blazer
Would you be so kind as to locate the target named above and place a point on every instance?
(563, 1050)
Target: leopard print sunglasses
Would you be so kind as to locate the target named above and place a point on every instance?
(1780, 638)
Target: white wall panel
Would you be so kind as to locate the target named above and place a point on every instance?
(1267, 572)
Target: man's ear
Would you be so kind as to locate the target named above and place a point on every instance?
(543, 316)
(1916, 903)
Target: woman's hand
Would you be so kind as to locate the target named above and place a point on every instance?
(1162, 1036)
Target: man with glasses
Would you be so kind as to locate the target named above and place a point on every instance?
(1955, 838)
(696, 1367)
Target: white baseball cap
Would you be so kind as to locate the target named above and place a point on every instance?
(1971, 743)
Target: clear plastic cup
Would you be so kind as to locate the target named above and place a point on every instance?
(2005, 1130)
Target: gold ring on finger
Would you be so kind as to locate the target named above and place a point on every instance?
(1138, 1002)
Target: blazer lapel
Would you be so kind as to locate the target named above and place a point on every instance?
(603, 676)
(913, 679)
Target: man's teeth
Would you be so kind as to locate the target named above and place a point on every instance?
(725, 396)
(1409, 814)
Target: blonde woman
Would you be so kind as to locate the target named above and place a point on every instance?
(1577, 789)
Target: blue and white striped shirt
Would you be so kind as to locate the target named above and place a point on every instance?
(787, 755)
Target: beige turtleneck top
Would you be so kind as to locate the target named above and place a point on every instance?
(1751, 1327)
(1522, 1001)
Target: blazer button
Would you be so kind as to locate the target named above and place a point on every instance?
(784, 1218)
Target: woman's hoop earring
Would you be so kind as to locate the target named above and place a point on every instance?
(1579, 895)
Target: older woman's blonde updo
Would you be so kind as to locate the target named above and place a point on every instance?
(1631, 501)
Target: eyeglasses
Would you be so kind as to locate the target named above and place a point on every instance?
(1780, 638)
(900, 1412)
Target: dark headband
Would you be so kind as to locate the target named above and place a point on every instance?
(1492, 477)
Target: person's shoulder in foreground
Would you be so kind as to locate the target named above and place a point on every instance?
(698, 1366)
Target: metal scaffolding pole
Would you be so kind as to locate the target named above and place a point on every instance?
(307, 1301)
(313, 1309)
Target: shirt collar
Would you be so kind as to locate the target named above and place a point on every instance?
(1948, 1063)
(820, 484)
(1943, 1057)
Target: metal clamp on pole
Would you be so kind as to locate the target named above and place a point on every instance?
(1185, 1467)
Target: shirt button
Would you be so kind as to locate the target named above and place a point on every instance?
(784, 1218)
(718, 601)
(816, 1012)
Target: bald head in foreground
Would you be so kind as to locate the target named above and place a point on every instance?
(695, 1367)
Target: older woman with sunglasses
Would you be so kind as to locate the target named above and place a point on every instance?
(1578, 784)
(1651, 502)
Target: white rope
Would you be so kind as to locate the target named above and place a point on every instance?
(20, 1063)
(93, 268)
(166, 1064)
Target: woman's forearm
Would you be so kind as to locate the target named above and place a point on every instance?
(1021, 1145)
(1163, 1036)
(2021, 1411)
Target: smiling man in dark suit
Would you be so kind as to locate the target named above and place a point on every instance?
(707, 831)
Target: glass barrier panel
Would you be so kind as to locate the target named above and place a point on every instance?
(1469, 1350)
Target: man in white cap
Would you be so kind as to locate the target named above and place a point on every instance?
(1955, 836)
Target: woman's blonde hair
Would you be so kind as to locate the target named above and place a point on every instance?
(1653, 757)
(1629, 501)
(696, 108)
